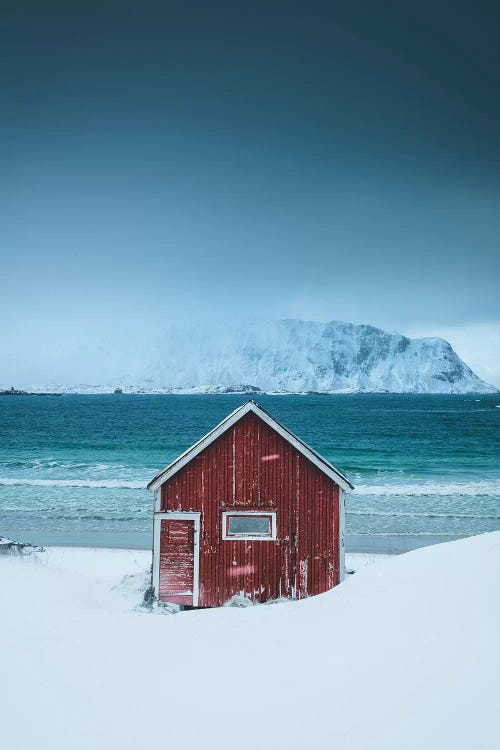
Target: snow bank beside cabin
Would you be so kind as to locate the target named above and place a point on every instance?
(404, 654)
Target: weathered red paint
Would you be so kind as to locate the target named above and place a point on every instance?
(251, 467)
(177, 561)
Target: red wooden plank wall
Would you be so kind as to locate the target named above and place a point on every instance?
(252, 467)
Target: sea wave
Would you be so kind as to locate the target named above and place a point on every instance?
(450, 534)
(442, 489)
(412, 514)
(469, 489)
(49, 464)
(95, 483)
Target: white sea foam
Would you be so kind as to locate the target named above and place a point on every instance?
(422, 489)
(410, 514)
(451, 534)
(49, 464)
(96, 483)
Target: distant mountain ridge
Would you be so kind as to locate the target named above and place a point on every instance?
(297, 356)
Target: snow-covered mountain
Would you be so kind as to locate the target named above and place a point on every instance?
(291, 356)
(295, 356)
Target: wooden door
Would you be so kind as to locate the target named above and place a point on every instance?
(177, 562)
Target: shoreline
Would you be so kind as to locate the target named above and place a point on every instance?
(386, 544)
(109, 391)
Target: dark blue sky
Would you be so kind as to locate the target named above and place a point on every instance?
(205, 160)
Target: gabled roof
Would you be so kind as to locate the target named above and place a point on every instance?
(227, 423)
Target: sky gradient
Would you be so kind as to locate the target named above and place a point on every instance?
(193, 161)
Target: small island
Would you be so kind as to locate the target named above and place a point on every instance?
(17, 392)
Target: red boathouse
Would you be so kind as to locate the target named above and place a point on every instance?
(250, 510)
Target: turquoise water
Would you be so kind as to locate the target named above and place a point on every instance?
(75, 467)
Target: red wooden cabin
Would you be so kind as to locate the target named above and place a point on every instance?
(249, 510)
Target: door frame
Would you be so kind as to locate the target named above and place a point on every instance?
(177, 516)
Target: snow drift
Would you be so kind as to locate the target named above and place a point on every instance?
(404, 654)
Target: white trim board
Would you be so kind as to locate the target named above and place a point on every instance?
(176, 516)
(320, 462)
(341, 535)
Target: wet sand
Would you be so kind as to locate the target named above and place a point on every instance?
(387, 544)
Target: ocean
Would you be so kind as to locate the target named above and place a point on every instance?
(73, 469)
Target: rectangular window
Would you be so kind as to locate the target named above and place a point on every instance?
(244, 525)
(248, 525)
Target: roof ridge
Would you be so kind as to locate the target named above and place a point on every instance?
(188, 455)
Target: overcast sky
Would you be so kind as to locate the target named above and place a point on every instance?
(204, 161)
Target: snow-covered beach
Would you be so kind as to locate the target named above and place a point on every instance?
(403, 654)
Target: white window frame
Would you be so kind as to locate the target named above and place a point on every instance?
(176, 516)
(250, 537)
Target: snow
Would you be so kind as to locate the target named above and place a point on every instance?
(404, 654)
(291, 356)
